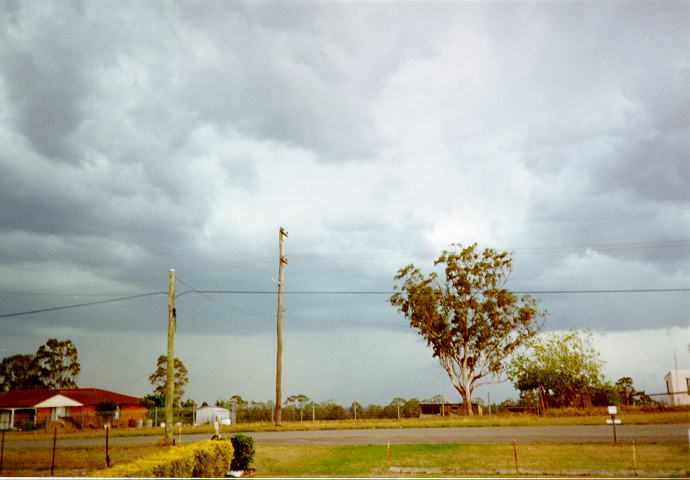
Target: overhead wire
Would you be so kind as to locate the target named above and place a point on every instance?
(390, 292)
(332, 292)
(297, 257)
(79, 305)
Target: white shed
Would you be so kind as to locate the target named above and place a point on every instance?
(678, 386)
(210, 414)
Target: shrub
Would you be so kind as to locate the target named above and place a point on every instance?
(205, 459)
(244, 451)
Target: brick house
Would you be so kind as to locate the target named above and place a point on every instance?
(76, 406)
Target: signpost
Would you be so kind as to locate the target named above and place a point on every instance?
(613, 421)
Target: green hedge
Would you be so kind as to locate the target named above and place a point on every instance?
(204, 459)
(244, 451)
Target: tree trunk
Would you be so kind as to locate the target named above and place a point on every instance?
(541, 400)
(467, 403)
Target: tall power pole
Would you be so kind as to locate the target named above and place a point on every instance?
(279, 326)
(169, 380)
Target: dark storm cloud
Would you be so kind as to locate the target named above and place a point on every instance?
(45, 70)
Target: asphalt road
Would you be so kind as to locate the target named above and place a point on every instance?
(673, 433)
(477, 435)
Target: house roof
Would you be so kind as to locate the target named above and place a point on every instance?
(85, 396)
(213, 409)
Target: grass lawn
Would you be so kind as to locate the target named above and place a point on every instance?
(406, 460)
(462, 460)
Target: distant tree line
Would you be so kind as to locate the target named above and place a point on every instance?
(306, 410)
(302, 408)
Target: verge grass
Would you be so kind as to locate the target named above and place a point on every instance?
(463, 460)
(69, 461)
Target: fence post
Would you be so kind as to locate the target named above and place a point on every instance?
(2, 450)
(634, 457)
(389, 454)
(52, 462)
(517, 462)
(107, 446)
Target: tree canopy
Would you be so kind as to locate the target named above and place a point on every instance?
(468, 317)
(298, 401)
(57, 364)
(54, 365)
(159, 376)
(560, 366)
(17, 373)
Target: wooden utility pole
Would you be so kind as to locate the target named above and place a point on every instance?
(170, 373)
(282, 261)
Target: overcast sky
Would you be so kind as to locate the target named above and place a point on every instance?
(136, 137)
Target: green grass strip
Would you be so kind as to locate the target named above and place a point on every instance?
(458, 460)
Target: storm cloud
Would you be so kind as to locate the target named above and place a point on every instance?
(137, 137)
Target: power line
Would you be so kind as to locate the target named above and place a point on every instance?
(623, 290)
(78, 305)
(390, 292)
(53, 291)
(334, 292)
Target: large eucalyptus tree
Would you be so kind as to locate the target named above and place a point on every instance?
(467, 316)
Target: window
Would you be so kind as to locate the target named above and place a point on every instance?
(5, 420)
(56, 413)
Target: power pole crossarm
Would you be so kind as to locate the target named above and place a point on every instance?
(282, 261)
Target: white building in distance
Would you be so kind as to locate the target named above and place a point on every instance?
(210, 414)
(678, 386)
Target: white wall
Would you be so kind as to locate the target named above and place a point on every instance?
(677, 384)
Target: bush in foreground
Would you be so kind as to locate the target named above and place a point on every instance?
(244, 451)
(205, 459)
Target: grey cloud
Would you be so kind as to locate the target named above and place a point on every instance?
(128, 123)
(307, 88)
(46, 62)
